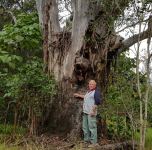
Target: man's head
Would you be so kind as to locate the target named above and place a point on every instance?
(92, 84)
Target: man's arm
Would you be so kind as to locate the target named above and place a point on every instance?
(97, 97)
(78, 95)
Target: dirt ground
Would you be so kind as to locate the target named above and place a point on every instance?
(57, 142)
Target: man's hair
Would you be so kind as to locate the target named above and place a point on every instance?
(93, 82)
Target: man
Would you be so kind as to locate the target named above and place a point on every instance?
(91, 100)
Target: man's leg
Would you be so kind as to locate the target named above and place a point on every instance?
(85, 128)
(93, 128)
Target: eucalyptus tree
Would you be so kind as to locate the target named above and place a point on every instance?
(84, 50)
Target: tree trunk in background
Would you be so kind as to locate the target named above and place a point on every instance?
(76, 56)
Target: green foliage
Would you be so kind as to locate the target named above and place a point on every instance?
(31, 87)
(11, 8)
(122, 90)
(118, 127)
(121, 99)
(34, 77)
(9, 129)
(26, 91)
(22, 38)
(9, 59)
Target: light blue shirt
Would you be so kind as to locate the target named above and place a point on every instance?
(89, 102)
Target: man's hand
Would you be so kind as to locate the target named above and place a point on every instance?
(94, 108)
(93, 112)
(76, 95)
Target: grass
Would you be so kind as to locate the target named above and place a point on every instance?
(148, 142)
(9, 129)
(4, 147)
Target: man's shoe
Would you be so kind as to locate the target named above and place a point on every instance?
(85, 144)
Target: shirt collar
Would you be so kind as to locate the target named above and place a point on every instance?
(91, 90)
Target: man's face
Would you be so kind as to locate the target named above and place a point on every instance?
(92, 85)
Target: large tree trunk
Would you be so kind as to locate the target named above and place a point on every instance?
(74, 57)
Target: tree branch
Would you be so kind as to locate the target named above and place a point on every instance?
(133, 39)
(12, 15)
(132, 25)
(66, 4)
(79, 27)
